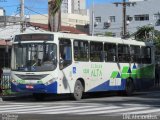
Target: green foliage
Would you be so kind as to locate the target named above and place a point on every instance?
(109, 34)
(148, 32)
(55, 6)
(144, 33)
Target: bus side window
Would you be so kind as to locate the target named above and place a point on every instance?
(81, 50)
(96, 52)
(146, 55)
(110, 52)
(65, 53)
(123, 53)
(135, 54)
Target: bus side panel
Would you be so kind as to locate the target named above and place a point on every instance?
(66, 81)
(145, 75)
(142, 76)
(105, 76)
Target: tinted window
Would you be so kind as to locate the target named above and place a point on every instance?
(110, 52)
(96, 52)
(146, 54)
(123, 53)
(135, 54)
(81, 50)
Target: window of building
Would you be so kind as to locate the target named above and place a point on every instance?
(156, 16)
(123, 53)
(96, 52)
(81, 51)
(146, 54)
(143, 17)
(98, 19)
(110, 52)
(65, 53)
(135, 54)
(112, 19)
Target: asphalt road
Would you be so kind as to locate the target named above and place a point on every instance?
(101, 106)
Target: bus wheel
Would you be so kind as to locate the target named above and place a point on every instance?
(39, 96)
(129, 87)
(78, 90)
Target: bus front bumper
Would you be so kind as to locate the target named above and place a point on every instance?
(35, 88)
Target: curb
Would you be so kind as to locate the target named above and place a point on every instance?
(14, 97)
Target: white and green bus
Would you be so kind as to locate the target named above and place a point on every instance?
(61, 63)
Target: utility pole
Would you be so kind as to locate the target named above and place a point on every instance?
(22, 15)
(124, 5)
(93, 19)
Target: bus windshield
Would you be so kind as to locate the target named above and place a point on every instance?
(35, 57)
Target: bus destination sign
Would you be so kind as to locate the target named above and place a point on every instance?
(33, 37)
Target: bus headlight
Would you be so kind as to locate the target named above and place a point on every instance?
(15, 82)
(50, 81)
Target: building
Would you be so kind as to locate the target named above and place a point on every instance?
(108, 17)
(66, 6)
(66, 19)
(2, 12)
(74, 7)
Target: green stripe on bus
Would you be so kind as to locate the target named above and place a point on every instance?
(125, 69)
(114, 74)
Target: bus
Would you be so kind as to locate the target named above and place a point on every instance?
(62, 63)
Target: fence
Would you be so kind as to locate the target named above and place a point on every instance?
(6, 80)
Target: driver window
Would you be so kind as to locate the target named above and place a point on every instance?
(65, 53)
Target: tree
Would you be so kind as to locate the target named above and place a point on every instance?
(54, 15)
(144, 33)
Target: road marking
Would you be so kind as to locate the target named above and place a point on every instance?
(77, 109)
(82, 110)
(38, 110)
(114, 111)
(30, 108)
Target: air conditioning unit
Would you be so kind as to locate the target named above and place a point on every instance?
(106, 25)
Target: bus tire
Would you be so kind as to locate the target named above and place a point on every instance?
(38, 96)
(78, 90)
(129, 88)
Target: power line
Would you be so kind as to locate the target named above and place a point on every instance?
(35, 11)
(11, 5)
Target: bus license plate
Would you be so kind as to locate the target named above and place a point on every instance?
(29, 86)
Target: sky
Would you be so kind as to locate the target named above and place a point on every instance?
(37, 6)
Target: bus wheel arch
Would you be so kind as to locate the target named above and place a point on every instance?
(79, 88)
(129, 86)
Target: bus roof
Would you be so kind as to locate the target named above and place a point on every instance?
(107, 39)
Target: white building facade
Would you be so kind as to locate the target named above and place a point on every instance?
(74, 6)
(66, 19)
(2, 11)
(108, 17)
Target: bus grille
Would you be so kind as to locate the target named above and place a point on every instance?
(31, 77)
